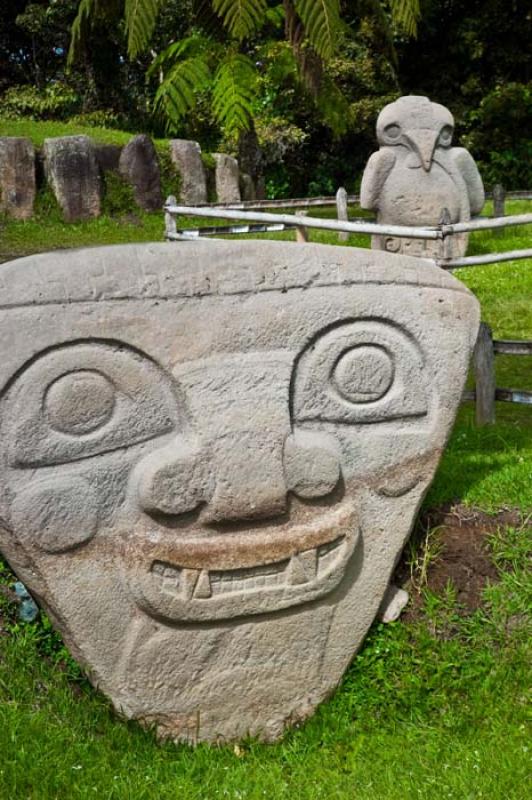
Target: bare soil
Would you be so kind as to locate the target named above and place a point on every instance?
(463, 555)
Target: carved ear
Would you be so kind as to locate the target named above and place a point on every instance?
(85, 399)
(360, 372)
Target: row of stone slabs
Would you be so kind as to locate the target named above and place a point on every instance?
(73, 166)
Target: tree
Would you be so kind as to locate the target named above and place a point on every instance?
(217, 55)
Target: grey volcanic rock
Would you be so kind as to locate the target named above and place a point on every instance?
(211, 456)
(186, 156)
(108, 156)
(17, 177)
(72, 171)
(140, 167)
(227, 178)
(416, 175)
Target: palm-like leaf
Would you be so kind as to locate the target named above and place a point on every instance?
(234, 93)
(178, 92)
(140, 16)
(87, 9)
(241, 17)
(321, 20)
(406, 14)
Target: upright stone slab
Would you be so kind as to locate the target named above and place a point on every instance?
(186, 156)
(139, 165)
(417, 176)
(211, 457)
(17, 177)
(72, 172)
(227, 178)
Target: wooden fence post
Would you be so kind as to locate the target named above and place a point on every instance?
(341, 212)
(484, 369)
(170, 225)
(499, 196)
(446, 241)
(301, 230)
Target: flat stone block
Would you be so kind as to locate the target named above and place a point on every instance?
(72, 171)
(17, 177)
(186, 156)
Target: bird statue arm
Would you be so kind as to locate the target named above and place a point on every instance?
(465, 164)
(377, 170)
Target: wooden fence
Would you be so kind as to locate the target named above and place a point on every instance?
(252, 220)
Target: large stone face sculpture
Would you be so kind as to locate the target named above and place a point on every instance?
(211, 458)
(416, 175)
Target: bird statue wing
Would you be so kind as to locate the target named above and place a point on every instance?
(377, 170)
(465, 164)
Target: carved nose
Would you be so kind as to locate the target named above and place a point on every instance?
(248, 459)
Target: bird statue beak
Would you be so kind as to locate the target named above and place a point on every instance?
(424, 143)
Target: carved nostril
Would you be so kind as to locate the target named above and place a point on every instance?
(311, 464)
(174, 480)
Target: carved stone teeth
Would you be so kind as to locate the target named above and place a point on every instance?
(203, 589)
(189, 579)
(302, 567)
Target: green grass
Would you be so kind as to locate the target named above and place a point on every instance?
(39, 131)
(428, 711)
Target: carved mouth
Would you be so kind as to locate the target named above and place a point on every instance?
(220, 576)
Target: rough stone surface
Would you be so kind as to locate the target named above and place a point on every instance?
(212, 456)
(186, 156)
(393, 604)
(139, 165)
(416, 174)
(108, 156)
(227, 178)
(17, 177)
(72, 171)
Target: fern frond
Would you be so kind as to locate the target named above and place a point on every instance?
(86, 12)
(177, 94)
(140, 16)
(234, 93)
(405, 14)
(189, 46)
(321, 20)
(241, 18)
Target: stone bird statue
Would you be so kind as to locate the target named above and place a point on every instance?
(416, 174)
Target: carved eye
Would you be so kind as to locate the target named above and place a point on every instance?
(392, 131)
(85, 399)
(80, 402)
(446, 134)
(363, 374)
(360, 372)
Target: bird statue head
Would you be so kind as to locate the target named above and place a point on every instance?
(418, 125)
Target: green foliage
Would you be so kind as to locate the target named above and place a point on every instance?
(177, 94)
(118, 195)
(55, 101)
(321, 19)
(140, 18)
(241, 18)
(497, 135)
(104, 118)
(170, 177)
(234, 93)
(406, 14)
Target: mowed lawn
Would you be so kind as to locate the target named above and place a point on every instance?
(431, 709)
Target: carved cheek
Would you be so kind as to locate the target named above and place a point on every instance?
(56, 514)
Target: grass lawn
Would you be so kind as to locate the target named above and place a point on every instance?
(432, 708)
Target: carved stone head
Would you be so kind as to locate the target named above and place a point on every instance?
(211, 457)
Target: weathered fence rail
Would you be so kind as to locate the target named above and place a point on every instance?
(486, 393)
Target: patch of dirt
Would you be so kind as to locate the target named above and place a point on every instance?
(460, 555)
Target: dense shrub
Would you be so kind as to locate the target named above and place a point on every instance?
(55, 101)
(498, 135)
